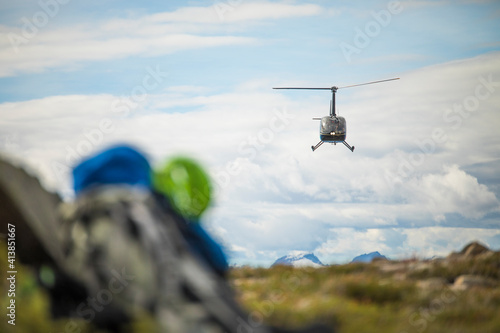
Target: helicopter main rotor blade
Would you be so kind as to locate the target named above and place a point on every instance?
(303, 88)
(334, 88)
(363, 84)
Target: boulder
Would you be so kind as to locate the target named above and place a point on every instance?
(432, 283)
(464, 282)
(473, 249)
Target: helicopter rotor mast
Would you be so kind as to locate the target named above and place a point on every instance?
(332, 106)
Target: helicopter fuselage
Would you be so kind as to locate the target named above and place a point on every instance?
(332, 129)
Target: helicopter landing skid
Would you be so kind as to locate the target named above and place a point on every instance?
(348, 146)
(317, 146)
(321, 142)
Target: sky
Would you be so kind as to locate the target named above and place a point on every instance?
(195, 78)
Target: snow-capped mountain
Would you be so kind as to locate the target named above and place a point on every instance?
(368, 257)
(299, 259)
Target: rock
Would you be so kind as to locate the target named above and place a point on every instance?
(419, 266)
(473, 249)
(432, 283)
(464, 282)
(391, 266)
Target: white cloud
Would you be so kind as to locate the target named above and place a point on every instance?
(453, 191)
(439, 241)
(266, 10)
(412, 4)
(344, 244)
(44, 53)
(277, 195)
(26, 51)
(236, 12)
(351, 242)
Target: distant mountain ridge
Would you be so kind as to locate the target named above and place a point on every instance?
(368, 257)
(299, 259)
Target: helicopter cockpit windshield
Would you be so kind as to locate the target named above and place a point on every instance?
(333, 129)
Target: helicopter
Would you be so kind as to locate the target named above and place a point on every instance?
(333, 128)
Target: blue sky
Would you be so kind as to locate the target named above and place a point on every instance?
(195, 78)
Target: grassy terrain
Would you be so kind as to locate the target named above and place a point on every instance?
(378, 297)
(384, 296)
